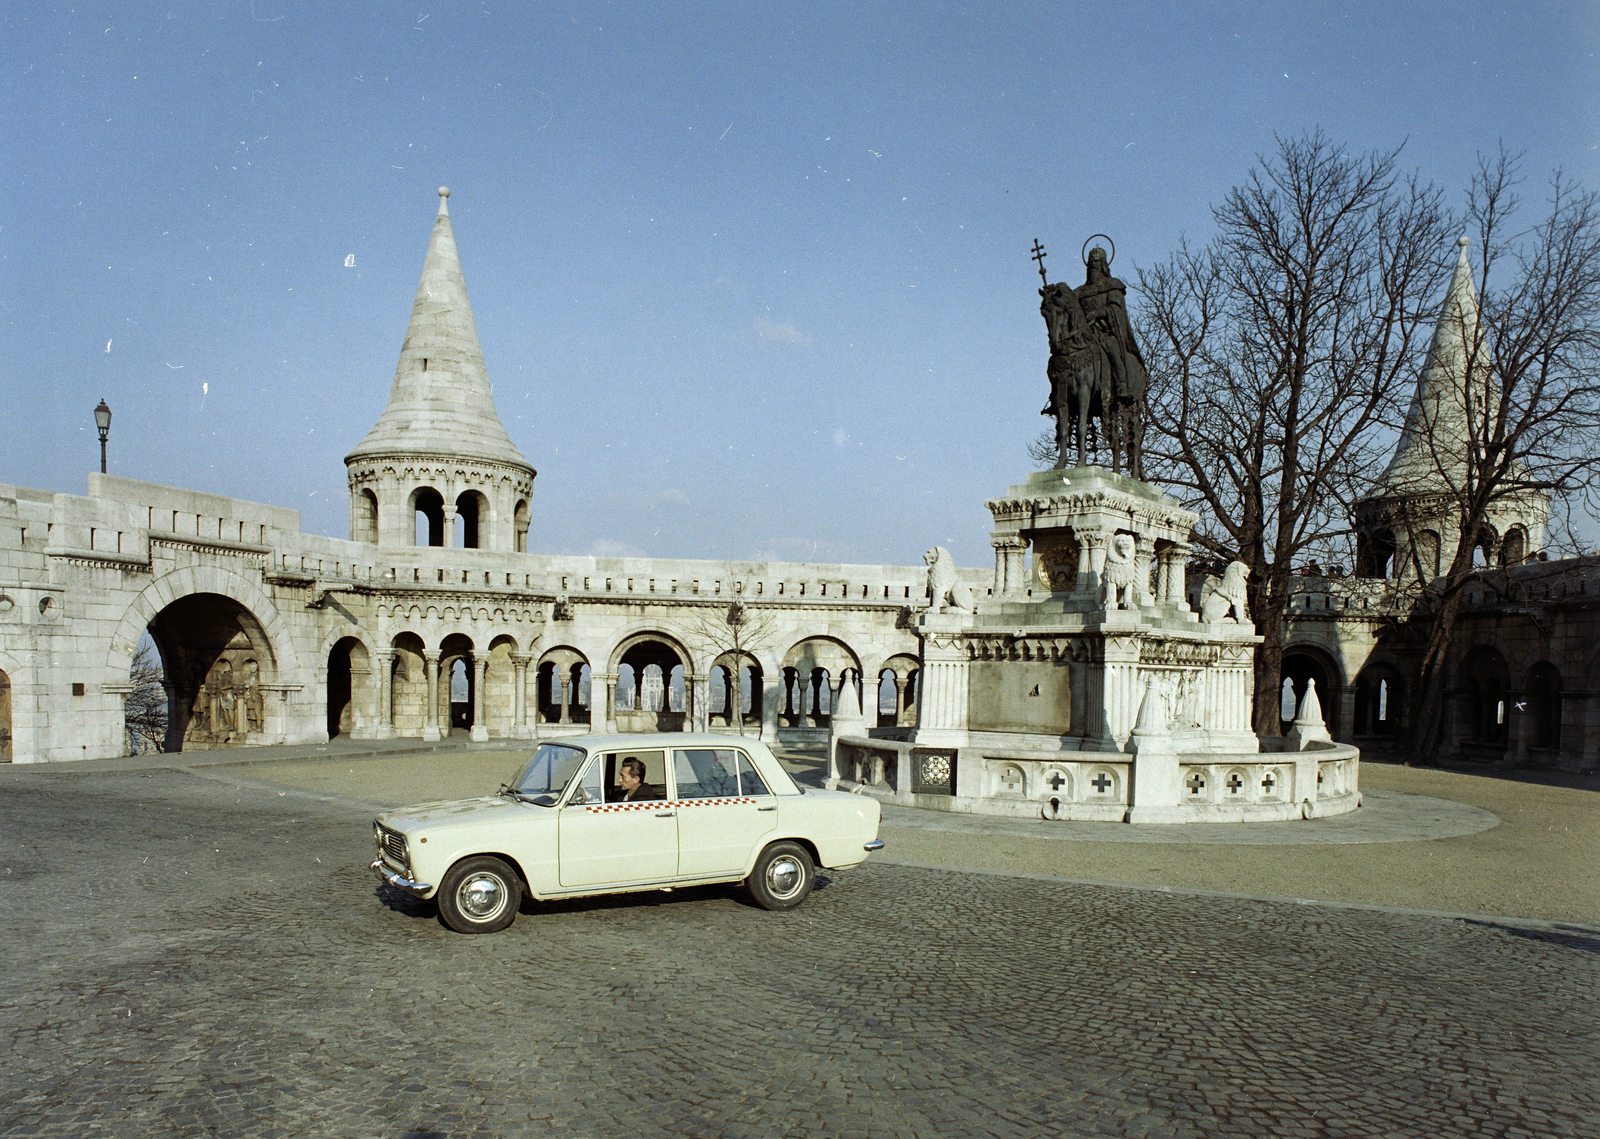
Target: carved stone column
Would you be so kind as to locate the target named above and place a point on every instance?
(448, 538)
(1142, 555)
(900, 708)
(564, 676)
(1092, 560)
(480, 730)
(1010, 564)
(385, 685)
(519, 696)
(361, 696)
(697, 695)
(430, 720)
(608, 699)
(772, 689)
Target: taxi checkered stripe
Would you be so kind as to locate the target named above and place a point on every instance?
(665, 804)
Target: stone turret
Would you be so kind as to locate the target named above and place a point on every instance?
(1410, 519)
(439, 448)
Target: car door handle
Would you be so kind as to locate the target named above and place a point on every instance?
(773, 807)
(666, 814)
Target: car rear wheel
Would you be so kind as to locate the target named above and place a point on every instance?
(782, 877)
(479, 895)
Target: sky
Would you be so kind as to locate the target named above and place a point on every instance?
(752, 281)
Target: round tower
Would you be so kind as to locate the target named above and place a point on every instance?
(1408, 527)
(439, 451)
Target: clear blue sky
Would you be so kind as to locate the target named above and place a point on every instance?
(751, 280)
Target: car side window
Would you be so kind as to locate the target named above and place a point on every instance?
(750, 783)
(706, 773)
(589, 784)
(635, 775)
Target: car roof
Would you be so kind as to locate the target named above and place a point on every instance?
(641, 740)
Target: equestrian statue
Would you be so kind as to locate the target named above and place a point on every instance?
(1098, 380)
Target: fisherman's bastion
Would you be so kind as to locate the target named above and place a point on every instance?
(436, 618)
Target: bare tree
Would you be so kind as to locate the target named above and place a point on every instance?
(145, 710)
(1277, 351)
(1515, 423)
(729, 633)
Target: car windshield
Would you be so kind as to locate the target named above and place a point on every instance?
(547, 773)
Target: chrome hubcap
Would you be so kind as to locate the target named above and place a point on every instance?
(482, 896)
(784, 876)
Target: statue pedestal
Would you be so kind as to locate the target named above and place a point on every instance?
(1029, 704)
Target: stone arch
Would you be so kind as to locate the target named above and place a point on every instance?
(189, 581)
(639, 652)
(1302, 662)
(1380, 702)
(736, 683)
(1514, 546)
(1482, 690)
(408, 678)
(428, 502)
(348, 687)
(1374, 552)
(814, 668)
(472, 508)
(895, 688)
(520, 523)
(559, 678)
(458, 685)
(364, 516)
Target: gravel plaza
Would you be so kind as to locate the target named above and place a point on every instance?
(197, 949)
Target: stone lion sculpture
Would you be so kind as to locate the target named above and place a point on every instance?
(1220, 597)
(1121, 574)
(944, 587)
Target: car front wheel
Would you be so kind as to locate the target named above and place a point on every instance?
(479, 895)
(782, 877)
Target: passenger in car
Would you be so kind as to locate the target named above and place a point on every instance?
(630, 781)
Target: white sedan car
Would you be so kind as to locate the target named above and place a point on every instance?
(610, 814)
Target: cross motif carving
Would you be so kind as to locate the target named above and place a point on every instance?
(1038, 255)
(1268, 783)
(1196, 782)
(1101, 782)
(1234, 783)
(1058, 780)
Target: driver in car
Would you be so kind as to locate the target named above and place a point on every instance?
(630, 781)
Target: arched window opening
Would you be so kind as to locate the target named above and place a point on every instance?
(521, 526)
(675, 701)
(215, 657)
(347, 684)
(627, 688)
(1374, 551)
(427, 505)
(1513, 551)
(1427, 554)
(472, 513)
(364, 524)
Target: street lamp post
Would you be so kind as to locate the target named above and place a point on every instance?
(102, 420)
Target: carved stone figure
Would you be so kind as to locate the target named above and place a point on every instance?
(563, 609)
(1097, 374)
(1057, 567)
(1220, 597)
(1121, 575)
(944, 587)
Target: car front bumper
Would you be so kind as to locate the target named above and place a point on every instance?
(400, 881)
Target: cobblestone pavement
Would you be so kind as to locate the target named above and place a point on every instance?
(187, 957)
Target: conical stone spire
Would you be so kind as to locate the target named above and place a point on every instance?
(1432, 449)
(441, 404)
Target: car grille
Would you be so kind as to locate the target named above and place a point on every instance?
(392, 843)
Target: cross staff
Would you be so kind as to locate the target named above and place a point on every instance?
(1038, 255)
